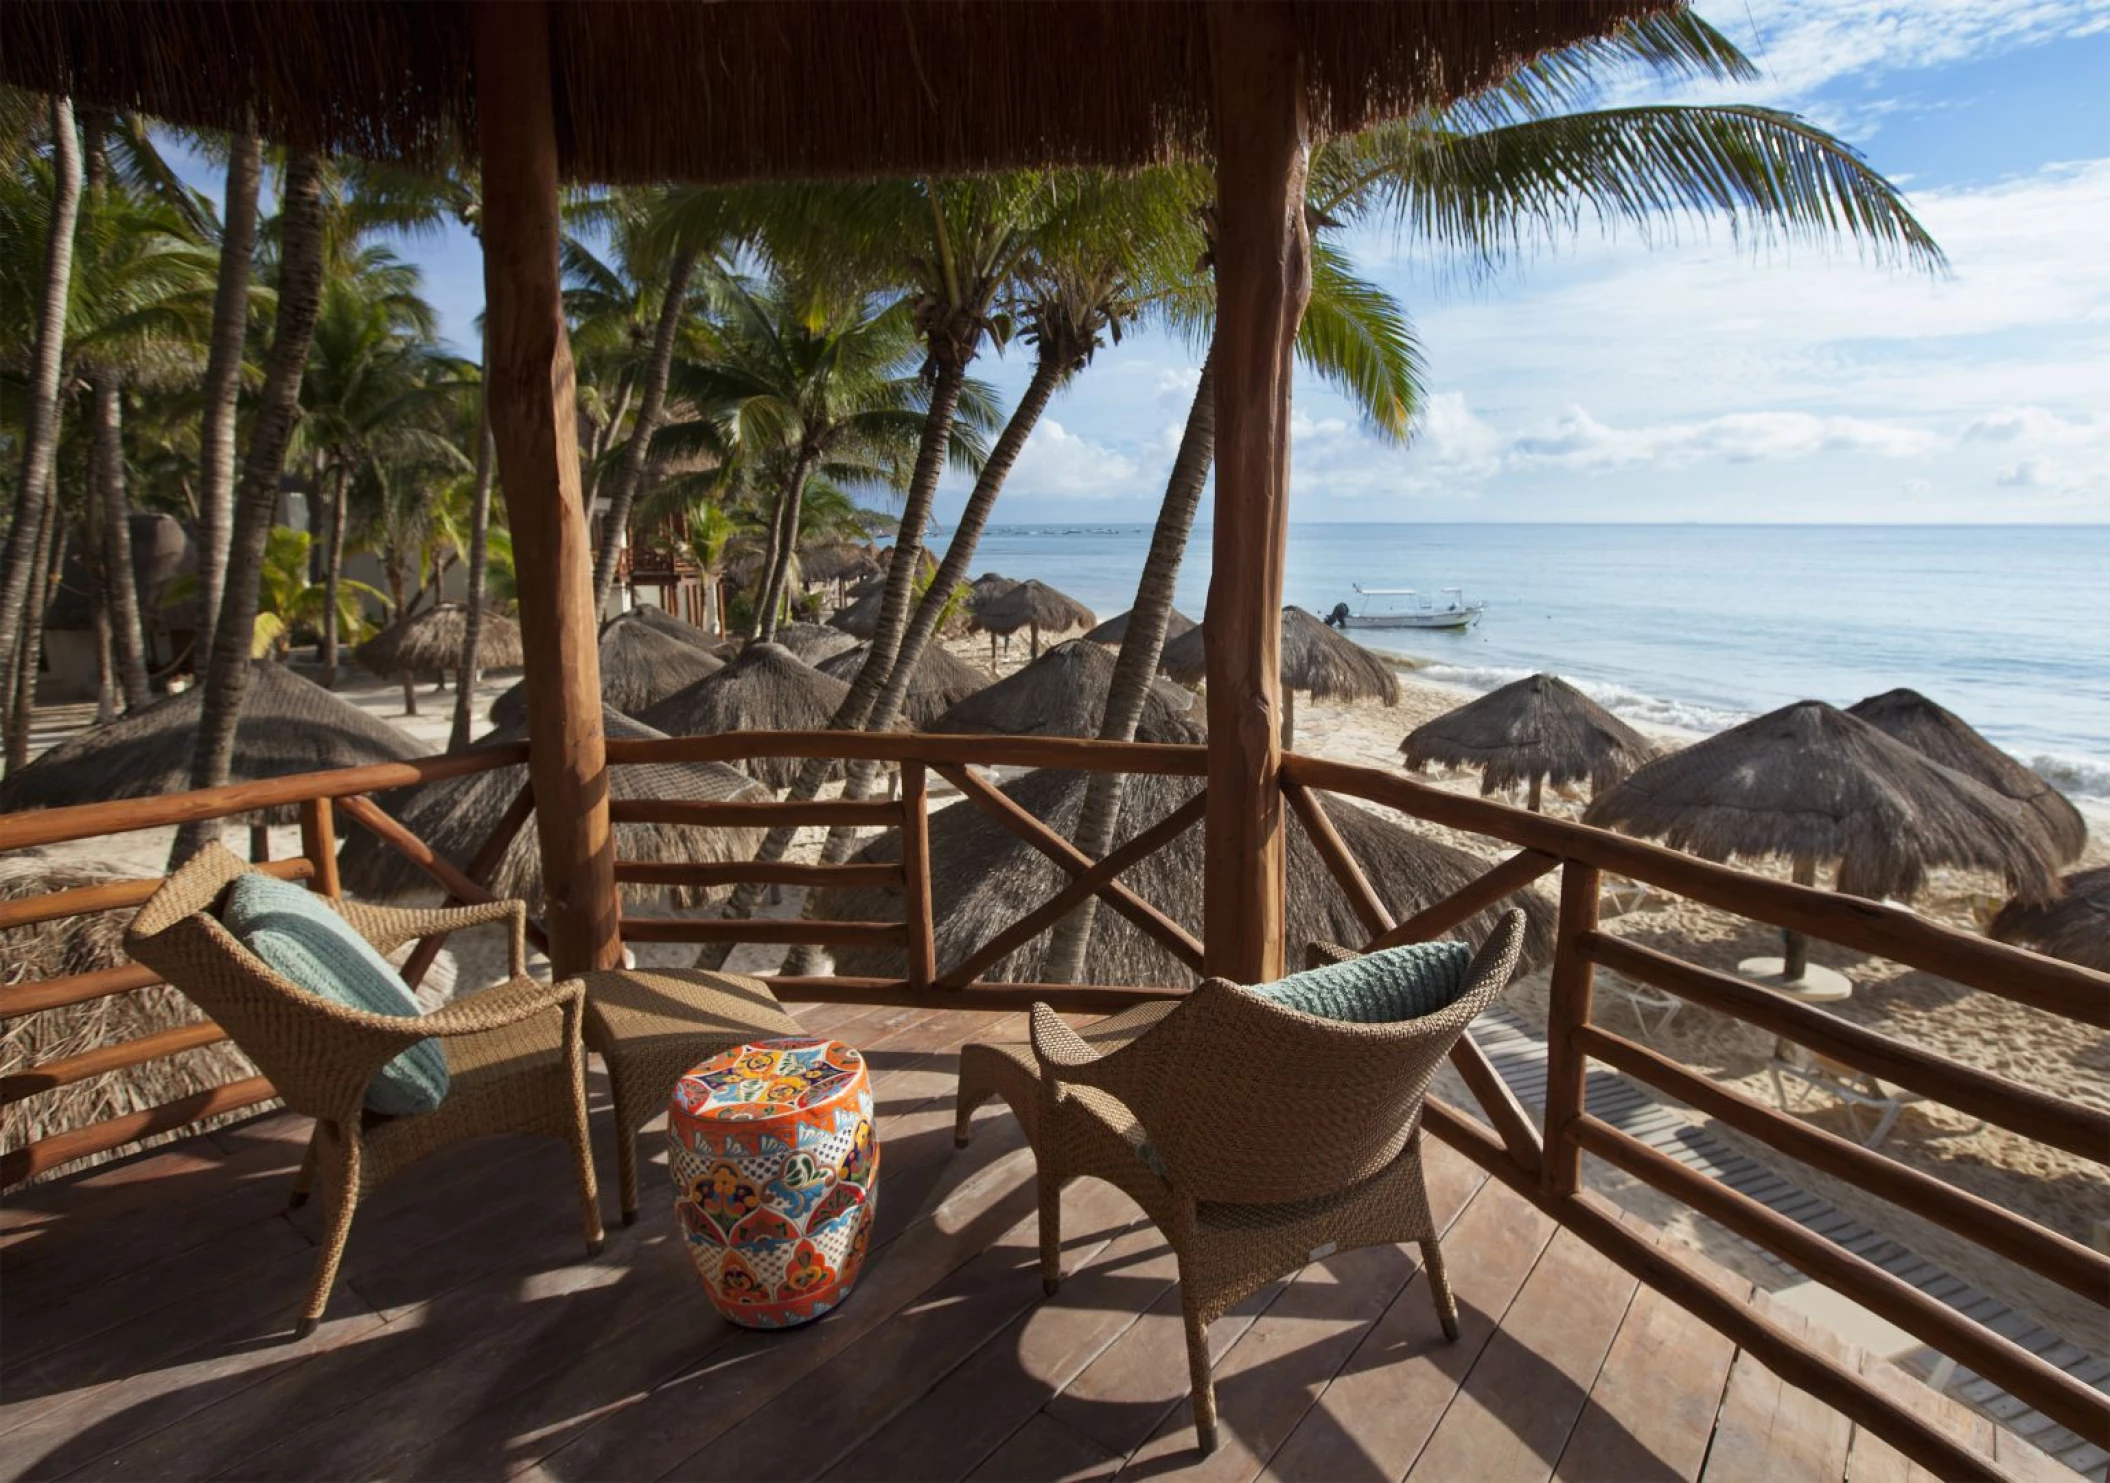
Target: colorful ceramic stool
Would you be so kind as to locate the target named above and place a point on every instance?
(776, 1174)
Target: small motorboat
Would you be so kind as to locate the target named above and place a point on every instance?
(1403, 607)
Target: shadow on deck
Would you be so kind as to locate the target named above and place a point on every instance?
(147, 1307)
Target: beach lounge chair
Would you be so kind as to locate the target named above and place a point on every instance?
(1865, 1096)
(1257, 1136)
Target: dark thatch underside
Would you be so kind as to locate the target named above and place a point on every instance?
(1032, 604)
(640, 666)
(1540, 727)
(983, 878)
(1937, 732)
(430, 643)
(289, 725)
(765, 688)
(1115, 629)
(1063, 693)
(942, 680)
(1811, 784)
(2076, 927)
(456, 815)
(1314, 659)
(816, 642)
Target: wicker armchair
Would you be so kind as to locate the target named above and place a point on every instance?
(1256, 1137)
(514, 1055)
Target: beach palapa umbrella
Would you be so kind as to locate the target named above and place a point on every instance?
(838, 562)
(984, 878)
(987, 588)
(2076, 927)
(429, 642)
(1035, 606)
(1063, 693)
(1314, 658)
(814, 642)
(456, 815)
(1532, 731)
(1115, 629)
(1810, 784)
(861, 618)
(942, 680)
(1937, 732)
(641, 665)
(661, 621)
(765, 687)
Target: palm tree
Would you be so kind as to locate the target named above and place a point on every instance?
(223, 377)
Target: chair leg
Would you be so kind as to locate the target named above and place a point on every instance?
(341, 1163)
(580, 1135)
(1440, 1287)
(1050, 1232)
(304, 1181)
(1200, 1378)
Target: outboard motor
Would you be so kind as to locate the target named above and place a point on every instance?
(1338, 618)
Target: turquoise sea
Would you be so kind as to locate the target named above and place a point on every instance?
(1701, 626)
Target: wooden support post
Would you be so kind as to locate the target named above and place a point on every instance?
(1263, 278)
(531, 396)
(318, 842)
(1573, 978)
(915, 876)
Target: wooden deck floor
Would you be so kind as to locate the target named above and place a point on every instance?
(145, 1309)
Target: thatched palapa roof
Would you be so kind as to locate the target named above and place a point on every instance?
(456, 815)
(1937, 732)
(1314, 659)
(659, 620)
(1540, 728)
(640, 666)
(430, 642)
(289, 725)
(942, 680)
(815, 642)
(765, 688)
(1033, 604)
(861, 618)
(838, 561)
(1115, 629)
(1063, 693)
(983, 878)
(1816, 786)
(2076, 927)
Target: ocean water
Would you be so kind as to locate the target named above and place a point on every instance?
(1703, 626)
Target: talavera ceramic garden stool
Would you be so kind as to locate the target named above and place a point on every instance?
(775, 1164)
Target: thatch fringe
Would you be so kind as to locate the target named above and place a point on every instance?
(1314, 659)
(2076, 927)
(942, 680)
(1063, 693)
(816, 643)
(1115, 629)
(765, 688)
(430, 643)
(641, 665)
(1032, 604)
(1537, 729)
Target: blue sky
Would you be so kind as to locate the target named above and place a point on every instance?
(1692, 379)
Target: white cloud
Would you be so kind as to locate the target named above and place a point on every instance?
(1056, 461)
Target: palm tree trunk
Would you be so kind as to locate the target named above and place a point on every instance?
(403, 599)
(120, 582)
(51, 557)
(473, 598)
(106, 697)
(333, 572)
(783, 545)
(40, 417)
(949, 372)
(223, 380)
(256, 501)
(1135, 670)
(649, 412)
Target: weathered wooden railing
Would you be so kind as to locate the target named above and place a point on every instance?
(1544, 1162)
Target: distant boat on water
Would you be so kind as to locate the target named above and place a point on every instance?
(1403, 607)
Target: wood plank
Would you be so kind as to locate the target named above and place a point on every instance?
(1769, 1430)
(764, 929)
(1870, 1459)
(1469, 900)
(1651, 1413)
(60, 1149)
(852, 813)
(1046, 1451)
(914, 874)
(1079, 754)
(768, 872)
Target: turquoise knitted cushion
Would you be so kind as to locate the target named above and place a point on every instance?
(1401, 983)
(299, 937)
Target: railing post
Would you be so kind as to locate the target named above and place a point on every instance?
(1573, 979)
(318, 841)
(915, 876)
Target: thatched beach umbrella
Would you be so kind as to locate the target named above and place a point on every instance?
(640, 666)
(814, 642)
(1314, 658)
(861, 618)
(660, 620)
(838, 562)
(430, 643)
(456, 815)
(1063, 693)
(1532, 731)
(942, 680)
(1937, 732)
(765, 688)
(987, 588)
(289, 725)
(2076, 927)
(983, 878)
(1815, 786)
(1115, 629)
(1035, 606)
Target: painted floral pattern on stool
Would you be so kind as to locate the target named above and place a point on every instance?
(776, 1174)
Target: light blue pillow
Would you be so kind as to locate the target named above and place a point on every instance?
(299, 937)
(1401, 983)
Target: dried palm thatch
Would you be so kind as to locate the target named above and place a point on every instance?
(86, 944)
(289, 725)
(1115, 629)
(861, 618)
(456, 815)
(1937, 732)
(1813, 785)
(1314, 659)
(1532, 731)
(640, 666)
(1063, 693)
(984, 878)
(661, 621)
(2076, 927)
(430, 643)
(942, 680)
(838, 561)
(1035, 606)
(766, 688)
(815, 642)
(398, 82)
